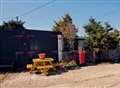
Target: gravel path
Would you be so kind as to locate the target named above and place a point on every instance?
(99, 76)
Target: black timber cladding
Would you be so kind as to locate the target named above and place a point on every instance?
(21, 46)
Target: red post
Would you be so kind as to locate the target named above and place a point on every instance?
(81, 56)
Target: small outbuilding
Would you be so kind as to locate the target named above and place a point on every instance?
(19, 47)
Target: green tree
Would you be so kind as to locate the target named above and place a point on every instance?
(0, 27)
(114, 39)
(12, 25)
(100, 37)
(68, 30)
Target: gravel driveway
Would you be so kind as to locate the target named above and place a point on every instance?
(99, 76)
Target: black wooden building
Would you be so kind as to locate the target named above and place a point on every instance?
(19, 47)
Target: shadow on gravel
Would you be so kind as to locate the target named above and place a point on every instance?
(60, 71)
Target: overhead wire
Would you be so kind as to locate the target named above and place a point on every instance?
(50, 2)
(37, 8)
(31, 11)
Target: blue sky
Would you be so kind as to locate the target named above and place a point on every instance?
(43, 19)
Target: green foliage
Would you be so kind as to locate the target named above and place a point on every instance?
(0, 27)
(100, 37)
(68, 30)
(12, 25)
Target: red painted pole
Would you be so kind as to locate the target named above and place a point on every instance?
(82, 56)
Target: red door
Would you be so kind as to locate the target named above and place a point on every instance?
(82, 57)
